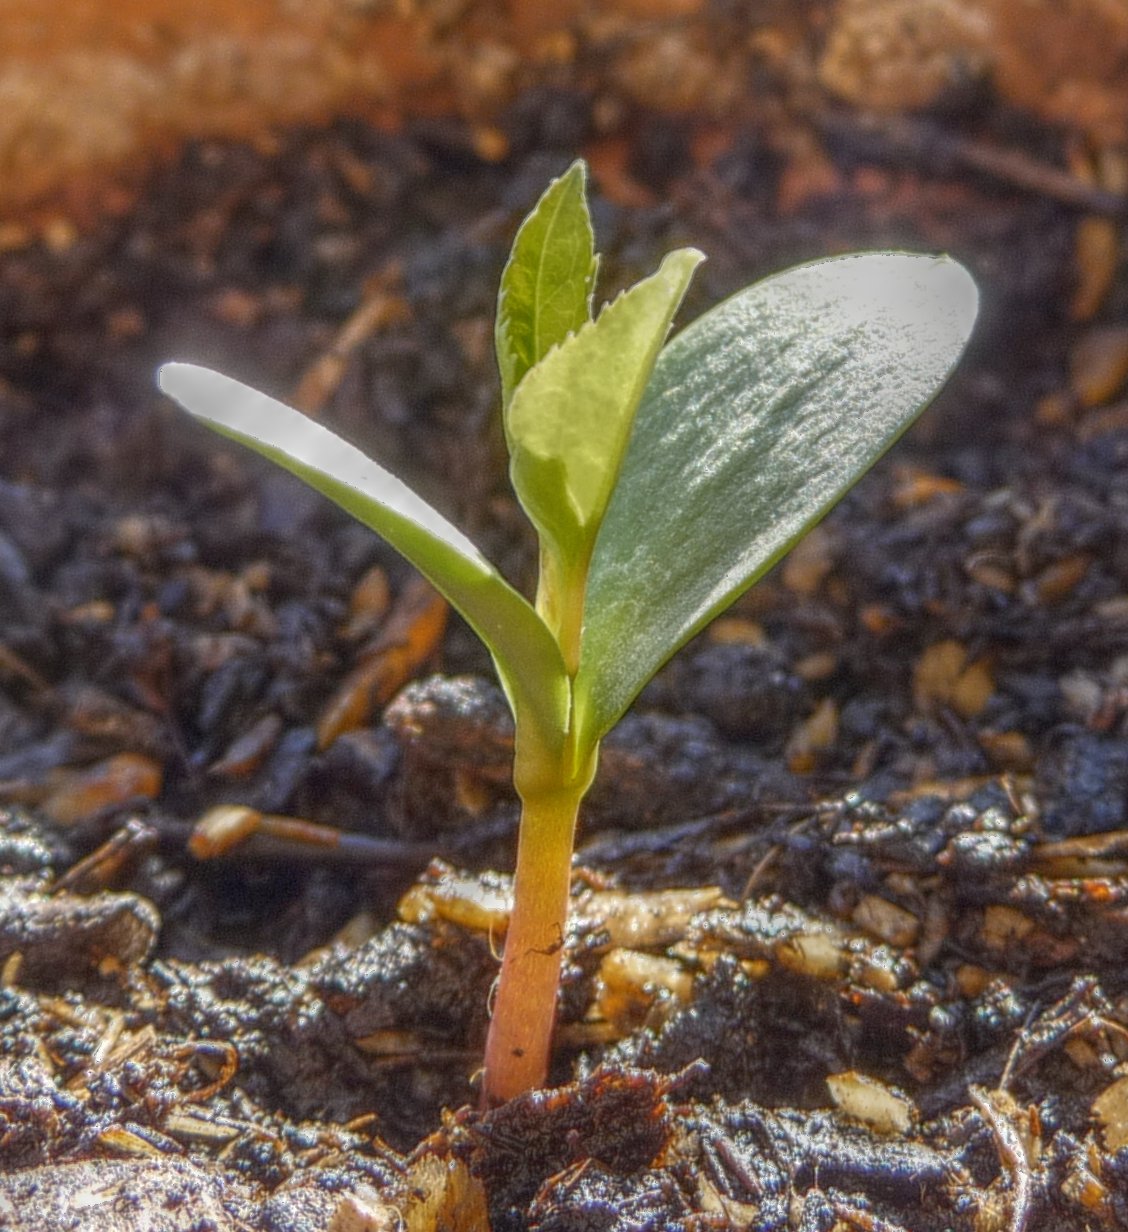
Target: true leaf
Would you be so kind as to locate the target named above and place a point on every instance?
(758, 417)
(546, 286)
(526, 656)
(570, 418)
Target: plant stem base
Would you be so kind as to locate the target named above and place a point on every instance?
(520, 1036)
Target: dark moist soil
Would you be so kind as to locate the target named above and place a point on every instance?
(873, 823)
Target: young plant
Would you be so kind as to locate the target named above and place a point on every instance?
(662, 480)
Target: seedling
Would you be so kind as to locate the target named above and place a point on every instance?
(662, 480)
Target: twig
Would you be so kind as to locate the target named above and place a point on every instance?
(1016, 1049)
(926, 144)
(1081, 1007)
(1011, 1152)
(380, 307)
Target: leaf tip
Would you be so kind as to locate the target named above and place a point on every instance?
(957, 290)
(168, 377)
(933, 296)
(680, 265)
(188, 384)
(576, 173)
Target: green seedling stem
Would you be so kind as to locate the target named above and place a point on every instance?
(662, 479)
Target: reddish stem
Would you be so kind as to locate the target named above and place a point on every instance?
(519, 1044)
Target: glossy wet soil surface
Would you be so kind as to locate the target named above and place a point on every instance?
(850, 918)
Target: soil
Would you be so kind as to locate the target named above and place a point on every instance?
(852, 893)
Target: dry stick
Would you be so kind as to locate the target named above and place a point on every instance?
(380, 307)
(1011, 1152)
(1042, 1033)
(1016, 1050)
(919, 142)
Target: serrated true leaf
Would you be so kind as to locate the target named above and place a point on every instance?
(547, 283)
(524, 651)
(758, 417)
(571, 416)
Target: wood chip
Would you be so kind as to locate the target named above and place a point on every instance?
(883, 1109)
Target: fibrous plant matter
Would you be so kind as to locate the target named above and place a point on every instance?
(662, 480)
